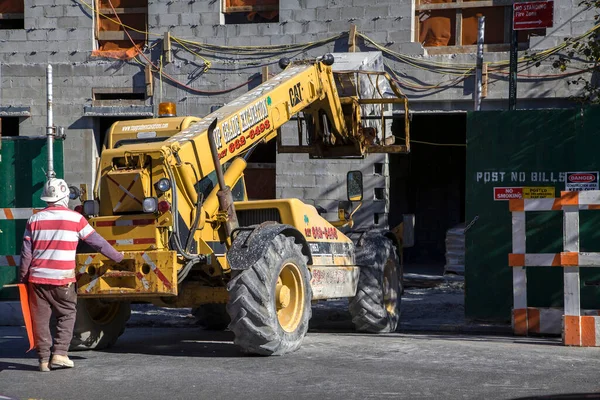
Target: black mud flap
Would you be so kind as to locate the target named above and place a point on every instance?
(250, 243)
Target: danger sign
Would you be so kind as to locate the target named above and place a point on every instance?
(580, 181)
(508, 193)
(539, 193)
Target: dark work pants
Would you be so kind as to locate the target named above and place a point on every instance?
(43, 301)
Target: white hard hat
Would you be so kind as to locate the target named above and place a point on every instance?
(55, 190)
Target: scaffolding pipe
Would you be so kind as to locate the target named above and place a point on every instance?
(50, 124)
(479, 69)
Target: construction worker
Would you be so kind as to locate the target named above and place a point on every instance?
(48, 266)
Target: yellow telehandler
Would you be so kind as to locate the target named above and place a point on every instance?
(191, 239)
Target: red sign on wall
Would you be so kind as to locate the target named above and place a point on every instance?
(508, 193)
(533, 15)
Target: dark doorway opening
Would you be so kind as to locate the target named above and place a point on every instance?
(9, 126)
(260, 173)
(430, 183)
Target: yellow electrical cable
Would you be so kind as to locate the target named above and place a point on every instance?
(207, 64)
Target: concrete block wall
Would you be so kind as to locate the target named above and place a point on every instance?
(60, 32)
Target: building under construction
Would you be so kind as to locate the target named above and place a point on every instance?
(118, 59)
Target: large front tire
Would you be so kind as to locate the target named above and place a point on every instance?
(99, 324)
(270, 302)
(376, 306)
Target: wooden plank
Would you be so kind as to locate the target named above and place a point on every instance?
(167, 53)
(468, 4)
(12, 16)
(352, 39)
(113, 36)
(458, 34)
(265, 73)
(132, 10)
(484, 83)
(257, 8)
(149, 81)
(393, 148)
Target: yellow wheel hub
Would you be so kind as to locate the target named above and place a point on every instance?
(289, 297)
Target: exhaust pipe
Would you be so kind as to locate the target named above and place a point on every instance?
(224, 194)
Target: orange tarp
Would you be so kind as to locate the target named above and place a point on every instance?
(255, 3)
(437, 28)
(11, 6)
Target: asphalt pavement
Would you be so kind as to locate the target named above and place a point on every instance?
(435, 355)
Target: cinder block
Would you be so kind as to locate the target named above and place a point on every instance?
(303, 181)
(340, 26)
(180, 7)
(249, 30)
(353, 12)
(290, 5)
(314, 4)
(68, 22)
(270, 29)
(329, 14)
(309, 14)
(260, 40)
(76, 10)
(317, 27)
(34, 11)
(17, 35)
(204, 6)
(44, 23)
(168, 20)
(189, 19)
(281, 39)
(57, 35)
(400, 36)
(38, 34)
(293, 28)
(54, 11)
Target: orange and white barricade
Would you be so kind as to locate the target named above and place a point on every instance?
(579, 328)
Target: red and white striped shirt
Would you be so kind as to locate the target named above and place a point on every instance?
(54, 233)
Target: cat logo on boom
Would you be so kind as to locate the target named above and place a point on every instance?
(295, 95)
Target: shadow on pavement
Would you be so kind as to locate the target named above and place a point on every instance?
(176, 342)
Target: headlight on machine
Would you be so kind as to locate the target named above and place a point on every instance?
(150, 204)
(163, 185)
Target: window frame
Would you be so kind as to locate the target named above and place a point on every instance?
(111, 36)
(459, 6)
(13, 16)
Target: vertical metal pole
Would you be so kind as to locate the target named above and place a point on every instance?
(50, 122)
(479, 69)
(514, 55)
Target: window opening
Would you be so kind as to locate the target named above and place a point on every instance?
(115, 40)
(9, 126)
(250, 11)
(12, 14)
(443, 23)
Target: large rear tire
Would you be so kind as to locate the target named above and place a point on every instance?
(376, 306)
(270, 302)
(99, 324)
(213, 317)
